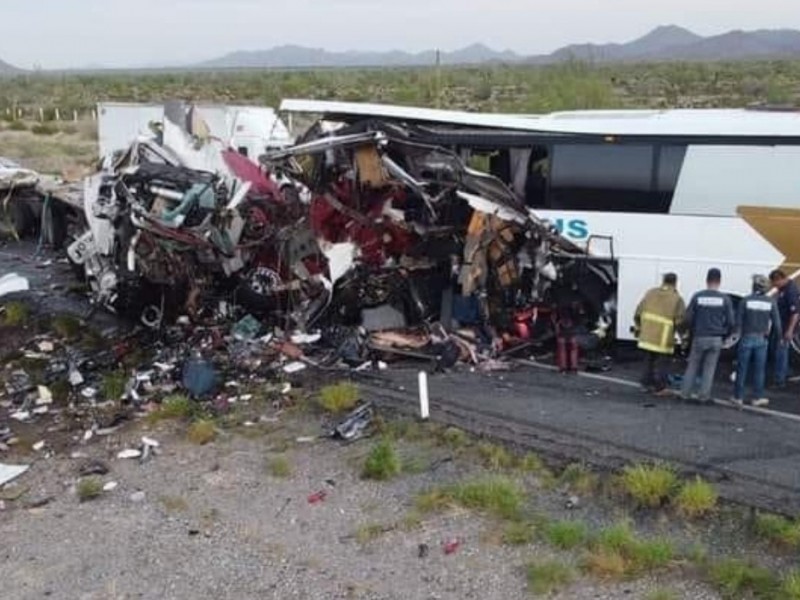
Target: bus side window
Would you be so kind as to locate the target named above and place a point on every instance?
(604, 177)
(538, 174)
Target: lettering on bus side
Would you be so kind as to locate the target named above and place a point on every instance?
(576, 229)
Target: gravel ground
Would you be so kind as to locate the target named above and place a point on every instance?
(213, 523)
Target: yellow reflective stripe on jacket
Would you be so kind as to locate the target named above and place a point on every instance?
(657, 318)
(667, 332)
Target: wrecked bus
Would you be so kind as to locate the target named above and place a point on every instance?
(654, 191)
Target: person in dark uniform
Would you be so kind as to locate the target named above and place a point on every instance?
(757, 317)
(789, 309)
(709, 319)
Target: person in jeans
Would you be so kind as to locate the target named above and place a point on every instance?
(709, 319)
(789, 309)
(757, 315)
(658, 317)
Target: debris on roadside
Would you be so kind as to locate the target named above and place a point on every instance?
(10, 472)
(359, 247)
(451, 546)
(356, 424)
(317, 497)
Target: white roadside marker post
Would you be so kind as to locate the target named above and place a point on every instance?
(424, 405)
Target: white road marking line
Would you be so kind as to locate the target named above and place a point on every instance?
(633, 384)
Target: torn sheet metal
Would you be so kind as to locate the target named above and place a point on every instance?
(12, 283)
(10, 472)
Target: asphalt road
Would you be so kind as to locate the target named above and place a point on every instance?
(753, 456)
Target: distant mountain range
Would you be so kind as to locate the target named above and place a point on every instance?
(7, 69)
(662, 44)
(666, 43)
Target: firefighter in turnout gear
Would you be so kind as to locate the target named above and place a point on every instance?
(657, 319)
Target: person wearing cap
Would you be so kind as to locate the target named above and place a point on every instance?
(789, 308)
(709, 320)
(658, 316)
(757, 317)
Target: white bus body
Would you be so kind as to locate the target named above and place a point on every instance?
(671, 191)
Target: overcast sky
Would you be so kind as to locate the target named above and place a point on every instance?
(77, 33)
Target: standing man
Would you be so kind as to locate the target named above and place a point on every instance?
(789, 309)
(758, 315)
(709, 319)
(658, 316)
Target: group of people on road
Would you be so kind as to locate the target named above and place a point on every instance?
(711, 322)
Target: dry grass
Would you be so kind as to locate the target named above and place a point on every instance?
(696, 499)
(649, 486)
(66, 326)
(519, 533)
(202, 432)
(60, 153)
(174, 503)
(618, 552)
(778, 531)
(279, 466)
(496, 496)
(371, 531)
(579, 479)
(453, 438)
(736, 579)
(339, 398)
(16, 314)
(547, 577)
(495, 457)
(89, 489)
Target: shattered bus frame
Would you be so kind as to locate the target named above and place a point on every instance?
(654, 191)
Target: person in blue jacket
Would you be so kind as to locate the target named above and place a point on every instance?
(709, 320)
(757, 317)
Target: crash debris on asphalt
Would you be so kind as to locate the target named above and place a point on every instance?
(354, 248)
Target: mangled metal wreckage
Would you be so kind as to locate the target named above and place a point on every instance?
(361, 227)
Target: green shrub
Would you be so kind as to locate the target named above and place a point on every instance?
(649, 485)
(547, 577)
(790, 586)
(339, 398)
(696, 499)
(777, 530)
(566, 535)
(735, 579)
(625, 554)
(497, 496)
(382, 462)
